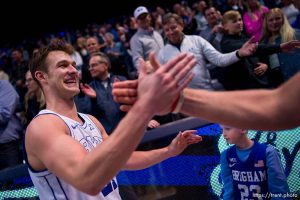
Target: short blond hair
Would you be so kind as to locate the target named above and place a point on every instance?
(230, 16)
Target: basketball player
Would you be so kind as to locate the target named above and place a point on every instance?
(63, 155)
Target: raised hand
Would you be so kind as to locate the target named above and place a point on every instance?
(160, 89)
(88, 90)
(167, 81)
(183, 140)
(290, 46)
(125, 93)
(248, 48)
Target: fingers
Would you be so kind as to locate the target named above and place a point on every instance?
(125, 99)
(171, 63)
(194, 140)
(191, 137)
(153, 61)
(188, 132)
(186, 81)
(183, 67)
(126, 84)
(125, 92)
(143, 68)
(187, 65)
(252, 40)
(84, 86)
(125, 108)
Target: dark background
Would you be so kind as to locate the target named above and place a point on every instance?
(20, 20)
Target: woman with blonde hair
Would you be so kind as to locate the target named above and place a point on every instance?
(276, 30)
(34, 99)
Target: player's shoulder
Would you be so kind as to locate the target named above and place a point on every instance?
(45, 123)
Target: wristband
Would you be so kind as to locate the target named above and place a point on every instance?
(178, 103)
(237, 54)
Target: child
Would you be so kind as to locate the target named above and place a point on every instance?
(250, 170)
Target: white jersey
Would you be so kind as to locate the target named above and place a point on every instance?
(51, 187)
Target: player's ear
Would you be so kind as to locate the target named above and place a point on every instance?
(40, 76)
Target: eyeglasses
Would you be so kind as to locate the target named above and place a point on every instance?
(29, 80)
(96, 64)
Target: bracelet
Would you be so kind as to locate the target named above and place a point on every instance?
(179, 104)
(237, 54)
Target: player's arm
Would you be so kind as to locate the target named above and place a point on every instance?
(143, 159)
(255, 109)
(52, 148)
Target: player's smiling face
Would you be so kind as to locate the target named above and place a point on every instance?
(62, 73)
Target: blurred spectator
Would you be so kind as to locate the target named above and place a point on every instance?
(3, 75)
(289, 10)
(253, 18)
(93, 46)
(76, 57)
(131, 26)
(214, 31)
(81, 48)
(34, 99)
(276, 31)
(213, 34)
(190, 22)
(10, 126)
(236, 5)
(271, 3)
(296, 23)
(104, 108)
(249, 72)
(146, 39)
(201, 21)
(17, 73)
(160, 12)
(240, 75)
(124, 38)
(203, 51)
(115, 51)
(101, 37)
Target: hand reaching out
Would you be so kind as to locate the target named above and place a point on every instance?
(183, 140)
(290, 46)
(248, 48)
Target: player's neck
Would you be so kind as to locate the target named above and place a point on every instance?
(63, 107)
(245, 144)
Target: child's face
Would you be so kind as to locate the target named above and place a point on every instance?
(232, 135)
(235, 26)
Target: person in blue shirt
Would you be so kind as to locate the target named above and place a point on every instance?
(296, 23)
(250, 170)
(10, 126)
